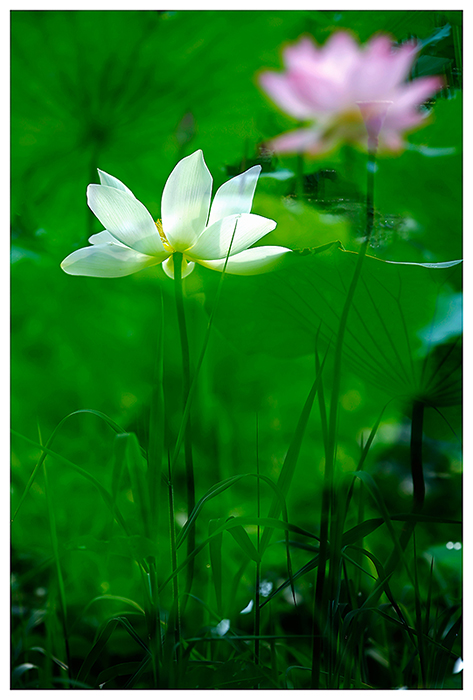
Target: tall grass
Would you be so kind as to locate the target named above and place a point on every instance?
(249, 620)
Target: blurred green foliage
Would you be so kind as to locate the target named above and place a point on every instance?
(132, 92)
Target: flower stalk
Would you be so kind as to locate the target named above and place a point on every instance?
(257, 618)
(329, 510)
(417, 472)
(60, 579)
(417, 423)
(186, 375)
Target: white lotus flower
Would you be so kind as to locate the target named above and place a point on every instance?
(133, 241)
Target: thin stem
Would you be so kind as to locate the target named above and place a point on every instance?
(156, 427)
(328, 497)
(419, 625)
(154, 624)
(418, 487)
(324, 522)
(175, 585)
(361, 517)
(154, 458)
(417, 472)
(416, 456)
(190, 482)
(257, 620)
(185, 415)
(60, 580)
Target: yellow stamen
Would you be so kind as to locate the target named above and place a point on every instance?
(162, 235)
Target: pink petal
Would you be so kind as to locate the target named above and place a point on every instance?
(322, 93)
(383, 69)
(294, 141)
(341, 48)
(391, 141)
(341, 58)
(405, 121)
(378, 48)
(415, 93)
(370, 82)
(310, 141)
(301, 53)
(332, 67)
(281, 90)
(402, 61)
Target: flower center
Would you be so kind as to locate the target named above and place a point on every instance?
(162, 235)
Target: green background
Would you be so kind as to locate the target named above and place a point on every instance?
(131, 93)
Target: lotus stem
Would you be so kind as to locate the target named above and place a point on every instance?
(190, 481)
(257, 618)
(175, 617)
(417, 471)
(328, 496)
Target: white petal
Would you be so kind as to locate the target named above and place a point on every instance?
(106, 260)
(235, 196)
(248, 608)
(110, 181)
(104, 237)
(186, 201)
(215, 240)
(125, 218)
(186, 267)
(251, 262)
(222, 628)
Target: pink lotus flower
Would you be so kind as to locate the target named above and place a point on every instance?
(346, 92)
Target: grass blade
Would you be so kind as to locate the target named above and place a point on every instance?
(101, 639)
(156, 426)
(99, 414)
(222, 486)
(272, 523)
(418, 617)
(60, 579)
(139, 481)
(103, 491)
(241, 537)
(215, 548)
(289, 466)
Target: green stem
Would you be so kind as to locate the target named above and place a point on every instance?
(154, 458)
(60, 580)
(328, 496)
(361, 517)
(155, 625)
(175, 584)
(417, 424)
(156, 428)
(257, 621)
(419, 624)
(186, 413)
(181, 318)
